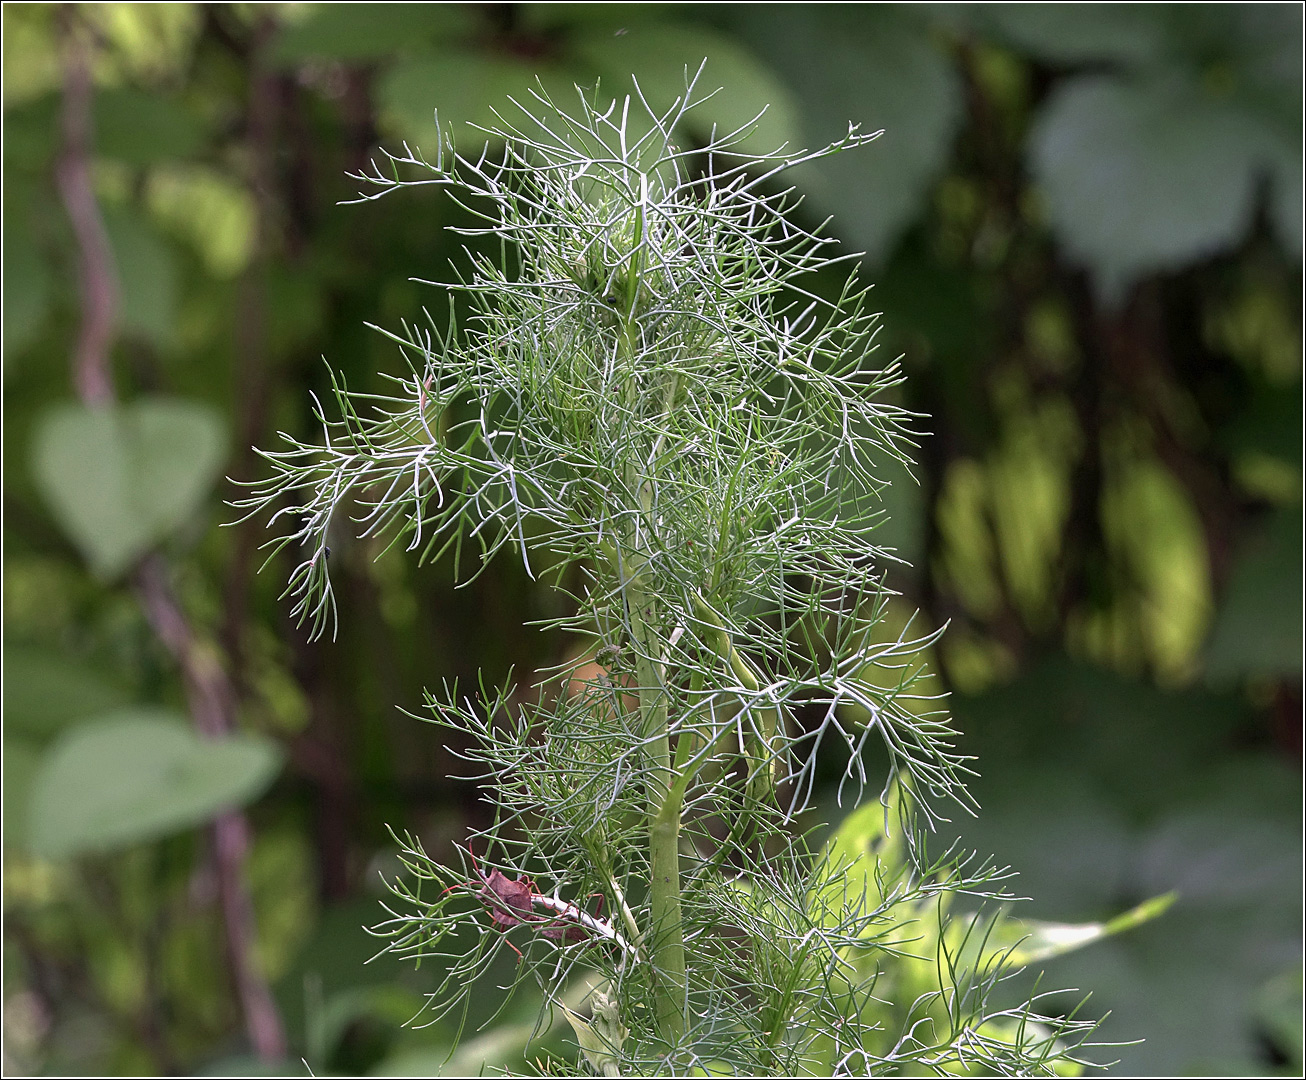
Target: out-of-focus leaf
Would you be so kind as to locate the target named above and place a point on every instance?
(1134, 743)
(31, 133)
(251, 1065)
(328, 1024)
(1279, 1009)
(295, 307)
(1219, 856)
(870, 64)
(354, 32)
(1146, 175)
(868, 851)
(21, 757)
(137, 774)
(1286, 198)
(120, 479)
(1076, 861)
(569, 17)
(507, 1044)
(1258, 622)
(31, 54)
(933, 314)
(1240, 915)
(903, 529)
(1077, 33)
(1039, 941)
(147, 272)
(151, 44)
(208, 207)
(1269, 423)
(140, 128)
(1151, 522)
(1234, 71)
(27, 291)
(465, 87)
(661, 56)
(129, 125)
(45, 691)
(339, 955)
(1233, 855)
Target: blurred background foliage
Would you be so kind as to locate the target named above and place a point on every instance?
(1085, 225)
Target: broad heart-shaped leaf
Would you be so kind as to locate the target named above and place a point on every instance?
(1146, 175)
(136, 774)
(121, 478)
(875, 65)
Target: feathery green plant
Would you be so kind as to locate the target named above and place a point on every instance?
(651, 393)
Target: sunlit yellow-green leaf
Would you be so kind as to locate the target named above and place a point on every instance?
(208, 208)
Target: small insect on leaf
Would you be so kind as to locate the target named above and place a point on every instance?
(509, 900)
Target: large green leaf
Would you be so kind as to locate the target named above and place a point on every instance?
(1077, 33)
(147, 270)
(1258, 624)
(129, 125)
(137, 774)
(27, 286)
(1286, 197)
(369, 31)
(1147, 175)
(661, 56)
(868, 853)
(1136, 744)
(1239, 876)
(21, 757)
(1159, 169)
(140, 128)
(120, 479)
(209, 208)
(875, 65)
(31, 135)
(466, 87)
(45, 691)
(1279, 1009)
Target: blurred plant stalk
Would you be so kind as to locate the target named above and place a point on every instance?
(209, 693)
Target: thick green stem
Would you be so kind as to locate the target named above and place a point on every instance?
(664, 803)
(664, 798)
